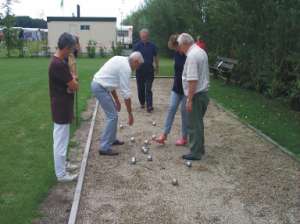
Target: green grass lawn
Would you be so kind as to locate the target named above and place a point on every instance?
(166, 67)
(26, 159)
(272, 116)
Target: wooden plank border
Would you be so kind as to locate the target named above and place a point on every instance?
(77, 193)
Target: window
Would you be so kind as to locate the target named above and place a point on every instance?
(122, 33)
(84, 27)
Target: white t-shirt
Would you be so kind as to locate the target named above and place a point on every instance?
(196, 68)
(115, 74)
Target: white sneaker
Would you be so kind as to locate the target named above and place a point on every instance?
(67, 178)
(71, 166)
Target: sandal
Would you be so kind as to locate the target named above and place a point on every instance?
(161, 139)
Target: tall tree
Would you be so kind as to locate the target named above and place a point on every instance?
(10, 35)
(262, 35)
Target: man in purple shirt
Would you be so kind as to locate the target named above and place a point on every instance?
(145, 74)
(62, 86)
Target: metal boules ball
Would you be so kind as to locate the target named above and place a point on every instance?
(132, 139)
(133, 160)
(149, 158)
(175, 182)
(153, 137)
(188, 164)
(121, 126)
(153, 123)
(147, 142)
(145, 150)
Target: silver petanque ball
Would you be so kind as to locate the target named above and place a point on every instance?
(145, 150)
(153, 137)
(133, 160)
(153, 123)
(188, 164)
(149, 158)
(132, 139)
(175, 182)
(146, 142)
(121, 126)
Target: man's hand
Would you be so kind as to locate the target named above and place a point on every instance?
(73, 85)
(118, 105)
(130, 119)
(189, 106)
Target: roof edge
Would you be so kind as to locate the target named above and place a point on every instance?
(83, 19)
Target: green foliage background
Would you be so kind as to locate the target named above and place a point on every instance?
(262, 35)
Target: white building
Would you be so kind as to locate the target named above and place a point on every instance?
(99, 29)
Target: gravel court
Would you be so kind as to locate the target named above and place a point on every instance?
(241, 179)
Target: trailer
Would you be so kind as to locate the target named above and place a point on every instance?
(124, 36)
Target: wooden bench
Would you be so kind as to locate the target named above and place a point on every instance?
(223, 67)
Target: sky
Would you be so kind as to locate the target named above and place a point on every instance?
(94, 8)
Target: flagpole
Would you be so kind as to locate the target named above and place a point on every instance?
(62, 7)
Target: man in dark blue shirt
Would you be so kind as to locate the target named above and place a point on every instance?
(145, 73)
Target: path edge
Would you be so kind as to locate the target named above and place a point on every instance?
(257, 131)
(77, 193)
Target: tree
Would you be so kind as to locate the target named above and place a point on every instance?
(10, 35)
(262, 35)
(28, 22)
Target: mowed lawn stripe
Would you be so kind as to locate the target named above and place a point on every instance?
(26, 170)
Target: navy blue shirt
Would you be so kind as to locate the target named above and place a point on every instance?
(178, 68)
(148, 50)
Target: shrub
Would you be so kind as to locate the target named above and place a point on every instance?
(116, 50)
(91, 48)
(102, 51)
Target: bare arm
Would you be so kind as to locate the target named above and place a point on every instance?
(116, 99)
(192, 85)
(156, 60)
(129, 110)
(192, 88)
(73, 66)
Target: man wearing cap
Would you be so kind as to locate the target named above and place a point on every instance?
(195, 81)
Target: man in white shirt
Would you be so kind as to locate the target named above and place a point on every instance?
(114, 74)
(195, 81)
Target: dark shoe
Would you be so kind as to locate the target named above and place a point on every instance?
(149, 109)
(108, 153)
(142, 106)
(117, 142)
(191, 157)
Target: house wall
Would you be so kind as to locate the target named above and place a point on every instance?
(103, 32)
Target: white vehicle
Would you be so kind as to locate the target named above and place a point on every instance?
(124, 36)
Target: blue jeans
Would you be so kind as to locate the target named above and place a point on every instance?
(106, 102)
(175, 100)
